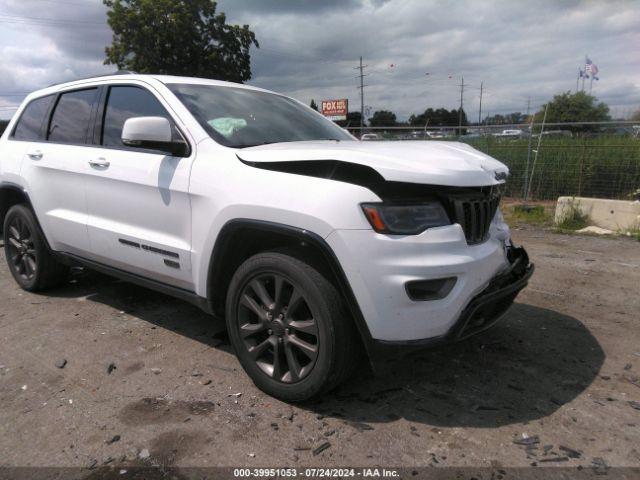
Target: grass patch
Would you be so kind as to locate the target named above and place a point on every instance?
(635, 233)
(527, 214)
(602, 166)
(573, 220)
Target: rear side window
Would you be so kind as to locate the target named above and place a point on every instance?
(124, 103)
(30, 124)
(70, 120)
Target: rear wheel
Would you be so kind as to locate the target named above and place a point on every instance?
(26, 252)
(289, 328)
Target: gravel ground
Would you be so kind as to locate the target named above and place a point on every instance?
(150, 380)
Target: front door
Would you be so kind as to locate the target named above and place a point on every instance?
(139, 213)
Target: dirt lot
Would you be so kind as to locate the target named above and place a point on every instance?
(150, 380)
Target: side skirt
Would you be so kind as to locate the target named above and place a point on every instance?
(182, 294)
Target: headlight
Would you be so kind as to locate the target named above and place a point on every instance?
(405, 219)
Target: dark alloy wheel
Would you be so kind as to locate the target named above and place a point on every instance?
(30, 261)
(21, 252)
(289, 327)
(278, 328)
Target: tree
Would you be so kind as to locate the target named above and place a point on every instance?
(178, 37)
(353, 120)
(383, 118)
(636, 116)
(574, 107)
(438, 118)
(314, 105)
(507, 119)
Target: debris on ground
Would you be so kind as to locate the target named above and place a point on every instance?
(61, 363)
(360, 426)
(156, 371)
(144, 454)
(239, 394)
(634, 404)
(571, 453)
(526, 440)
(596, 230)
(321, 448)
(554, 459)
(114, 439)
(110, 368)
(599, 466)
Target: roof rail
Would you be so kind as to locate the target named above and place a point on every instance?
(119, 72)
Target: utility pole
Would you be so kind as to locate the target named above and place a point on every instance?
(460, 111)
(361, 67)
(480, 109)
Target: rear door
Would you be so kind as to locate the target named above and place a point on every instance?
(54, 169)
(139, 213)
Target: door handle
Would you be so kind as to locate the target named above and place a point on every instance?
(35, 155)
(99, 163)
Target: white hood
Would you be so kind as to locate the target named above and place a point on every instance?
(428, 162)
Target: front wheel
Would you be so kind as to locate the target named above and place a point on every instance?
(30, 262)
(289, 327)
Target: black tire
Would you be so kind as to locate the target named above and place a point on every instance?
(29, 259)
(304, 293)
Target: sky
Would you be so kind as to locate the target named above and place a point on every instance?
(416, 52)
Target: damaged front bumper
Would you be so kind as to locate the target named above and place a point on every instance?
(481, 313)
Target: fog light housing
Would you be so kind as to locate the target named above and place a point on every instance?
(428, 290)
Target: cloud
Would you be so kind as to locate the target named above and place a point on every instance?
(309, 49)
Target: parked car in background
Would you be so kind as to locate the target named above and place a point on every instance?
(370, 136)
(510, 133)
(557, 133)
(316, 249)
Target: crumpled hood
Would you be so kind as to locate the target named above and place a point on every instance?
(427, 162)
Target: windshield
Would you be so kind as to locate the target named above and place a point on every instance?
(239, 117)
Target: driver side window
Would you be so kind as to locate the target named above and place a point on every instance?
(124, 102)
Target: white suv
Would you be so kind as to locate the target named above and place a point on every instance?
(316, 248)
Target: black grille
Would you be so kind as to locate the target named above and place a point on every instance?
(474, 214)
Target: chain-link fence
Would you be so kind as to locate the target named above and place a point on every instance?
(578, 159)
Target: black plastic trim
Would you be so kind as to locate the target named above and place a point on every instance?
(180, 293)
(445, 285)
(304, 236)
(21, 191)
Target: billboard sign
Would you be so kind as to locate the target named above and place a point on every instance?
(335, 109)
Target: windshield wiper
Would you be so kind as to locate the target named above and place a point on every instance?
(249, 145)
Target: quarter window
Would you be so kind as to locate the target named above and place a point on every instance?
(124, 103)
(31, 120)
(71, 116)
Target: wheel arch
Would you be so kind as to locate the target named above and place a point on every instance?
(11, 194)
(239, 239)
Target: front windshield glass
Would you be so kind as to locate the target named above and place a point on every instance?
(239, 117)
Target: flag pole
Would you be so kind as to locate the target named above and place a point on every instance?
(578, 79)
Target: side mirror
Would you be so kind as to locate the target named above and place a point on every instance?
(153, 133)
